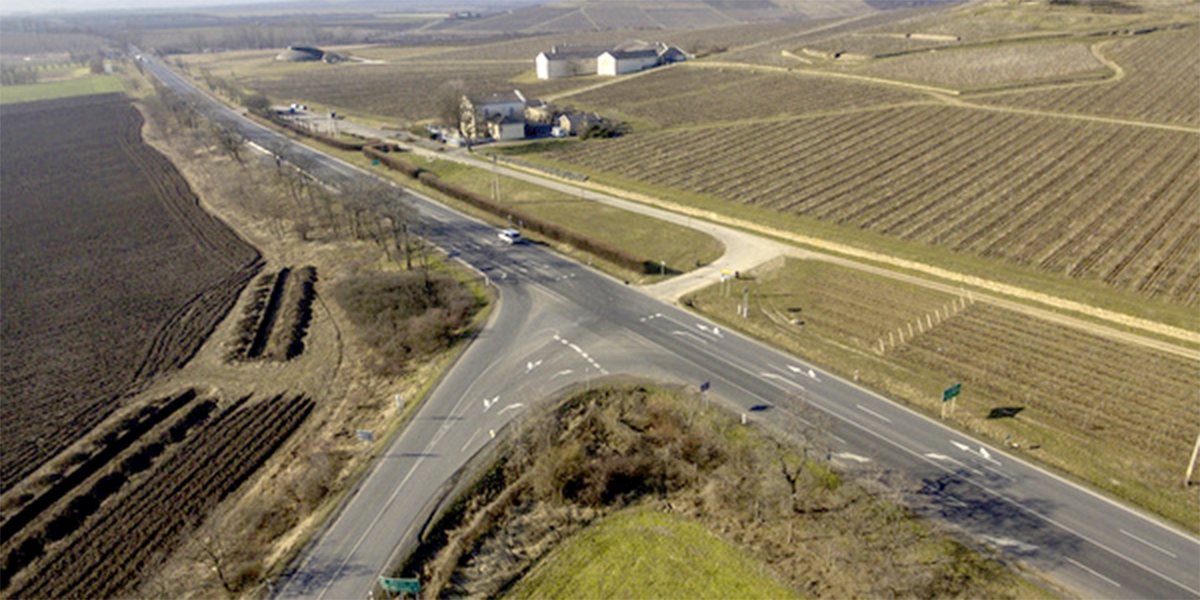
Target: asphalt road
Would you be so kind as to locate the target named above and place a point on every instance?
(561, 323)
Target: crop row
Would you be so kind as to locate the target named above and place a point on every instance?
(132, 532)
(1143, 399)
(688, 95)
(1159, 85)
(1091, 200)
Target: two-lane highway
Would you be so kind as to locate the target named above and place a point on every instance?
(560, 323)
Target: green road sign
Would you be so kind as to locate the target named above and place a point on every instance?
(951, 392)
(400, 586)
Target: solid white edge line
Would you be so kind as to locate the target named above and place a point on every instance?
(1091, 570)
(1155, 546)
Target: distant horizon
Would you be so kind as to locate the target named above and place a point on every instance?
(43, 8)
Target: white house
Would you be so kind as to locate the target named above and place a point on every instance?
(566, 63)
(619, 62)
(504, 109)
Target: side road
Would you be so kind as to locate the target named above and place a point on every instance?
(745, 250)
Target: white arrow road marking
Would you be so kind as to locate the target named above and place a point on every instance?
(961, 446)
(561, 373)
(489, 403)
(936, 456)
(510, 407)
(532, 365)
(783, 379)
(853, 457)
(984, 453)
(795, 369)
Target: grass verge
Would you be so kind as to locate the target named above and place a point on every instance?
(640, 553)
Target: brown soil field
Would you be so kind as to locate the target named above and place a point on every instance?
(112, 274)
(147, 497)
(1090, 200)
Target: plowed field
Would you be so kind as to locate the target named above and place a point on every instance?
(111, 271)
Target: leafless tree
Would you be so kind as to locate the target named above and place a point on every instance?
(230, 141)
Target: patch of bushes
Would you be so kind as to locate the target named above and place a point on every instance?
(406, 316)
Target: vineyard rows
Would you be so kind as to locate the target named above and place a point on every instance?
(1144, 400)
(990, 66)
(1090, 200)
(1160, 84)
(132, 532)
(688, 95)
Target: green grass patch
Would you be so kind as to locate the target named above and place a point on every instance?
(648, 554)
(86, 86)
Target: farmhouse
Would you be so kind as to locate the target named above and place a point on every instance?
(630, 57)
(620, 62)
(567, 62)
(499, 115)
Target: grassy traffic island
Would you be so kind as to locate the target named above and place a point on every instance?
(632, 490)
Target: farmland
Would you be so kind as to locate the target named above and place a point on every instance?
(1082, 403)
(148, 495)
(112, 274)
(1034, 191)
(685, 95)
(992, 66)
(1152, 88)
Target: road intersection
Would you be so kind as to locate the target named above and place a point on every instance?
(559, 323)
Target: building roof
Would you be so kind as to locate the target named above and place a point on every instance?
(623, 54)
(497, 98)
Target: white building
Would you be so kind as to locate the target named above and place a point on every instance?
(566, 62)
(620, 62)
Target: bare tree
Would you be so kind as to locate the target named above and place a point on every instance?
(230, 141)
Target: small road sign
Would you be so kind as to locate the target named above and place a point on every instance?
(397, 585)
(951, 392)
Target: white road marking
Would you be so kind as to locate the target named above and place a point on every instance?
(984, 453)
(936, 456)
(1156, 547)
(783, 379)
(1091, 570)
(691, 335)
(561, 373)
(490, 403)
(961, 446)
(873, 413)
(532, 365)
(469, 440)
(511, 407)
(853, 457)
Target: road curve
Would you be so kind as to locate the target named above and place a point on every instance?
(560, 323)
